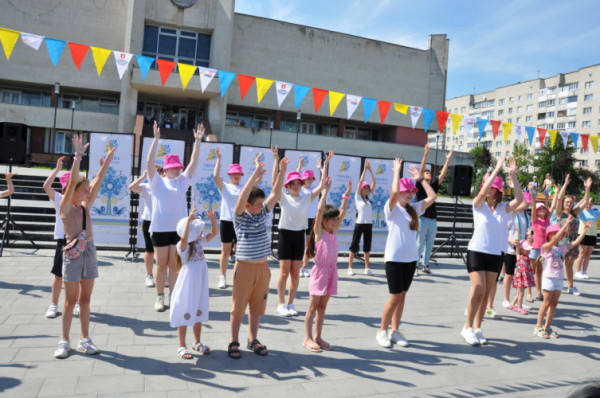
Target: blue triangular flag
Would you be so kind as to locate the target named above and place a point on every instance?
(428, 115)
(144, 63)
(299, 94)
(225, 79)
(368, 107)
(575, 138)
(55, 49)
(481, 123)
(530, 133)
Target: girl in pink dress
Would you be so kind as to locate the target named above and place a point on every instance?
(323, 247)
(523, 277)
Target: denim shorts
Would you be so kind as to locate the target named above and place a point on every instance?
(552, 284)
(534, 254)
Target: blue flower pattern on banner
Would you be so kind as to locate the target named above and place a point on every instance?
(210, 196)
(336, 199)
(113, 188)
(379, 199)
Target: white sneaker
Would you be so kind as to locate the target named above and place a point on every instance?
(292, 310)
(52, 310)
(480, 337)
(160, 303)
(283, 311)
(470, 336)
(306, 272)
(575, 291)
(398, 338)
(222, 282)
(367, 271)
(150, 281)
(506, 304)
(584, 275)
(383, 339)
(350, 272)
(63, 349)
(526, 307)
(87, 346)
(76, 309)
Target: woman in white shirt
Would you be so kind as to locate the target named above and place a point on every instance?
(364, 219)
(486, 247)
(401, 252)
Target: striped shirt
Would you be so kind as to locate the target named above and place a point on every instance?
(252, 238)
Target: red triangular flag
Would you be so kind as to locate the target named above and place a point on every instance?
(384, 107)
(542, 134)
(584, 141)
(245, 84)
(318, 96)
(78, 52)
(165, 68)
(442, 118)
(495, 127)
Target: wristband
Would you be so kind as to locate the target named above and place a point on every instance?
(347, 197)
(78, 157)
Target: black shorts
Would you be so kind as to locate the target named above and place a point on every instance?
(399, 275)
(227, 232)
(510, 262)
(311, 223)
(147, 237)
(58, 258)
(163, 239)
(360, 229)
(290, 245)
(589, 240)
(478, 261)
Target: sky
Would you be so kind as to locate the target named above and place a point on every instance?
(492, 43)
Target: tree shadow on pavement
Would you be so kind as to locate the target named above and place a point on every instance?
(24, 288)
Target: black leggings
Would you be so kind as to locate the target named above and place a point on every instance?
(360, 229)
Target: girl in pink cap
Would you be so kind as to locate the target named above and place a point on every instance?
(293, 223)
(169, 205)
(484, 254)
(540, 219)
(401, 251)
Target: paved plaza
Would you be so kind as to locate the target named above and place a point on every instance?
(138, 347)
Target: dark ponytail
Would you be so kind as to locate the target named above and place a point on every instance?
(414, 218)
(329, 212)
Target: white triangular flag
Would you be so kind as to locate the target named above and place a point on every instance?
(565, 138)
(282, 89)
(415, 113)
(352, 102)
(33, 41)
(206, 76)
(122, 61)
(519, 130)
(469, 123)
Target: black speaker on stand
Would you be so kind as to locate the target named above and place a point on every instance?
(13, 143)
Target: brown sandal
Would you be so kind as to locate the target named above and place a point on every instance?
(257, 347)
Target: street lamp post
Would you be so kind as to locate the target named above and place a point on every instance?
(436, 152)
(73, 105)
(53, 137)
(298, 117)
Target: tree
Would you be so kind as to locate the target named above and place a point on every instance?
(483, 160)
(524, 160)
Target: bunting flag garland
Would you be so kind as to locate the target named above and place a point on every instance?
(481, 123)
(318, 97)
(206, 76)
(519, 131)
(456, 122)
(565, 138)
(100, 56)
(575, 138)
(334, 100)
(165, 68)
(368, 107)
(245, 82)
(33, 41)
(352, 102)
(185, 73)
(584, 141)
(55, 49)
(428, 115)
(506, 127)
(282, 89)
(415, 114)
(469, 124)
(542, 133)
(144, 63)
(401, 108)
(262, 86)
(122, 61)
(225, 79)
(384, 108)
(594, 141)
(9, 38)
(495, 127)
(78, 53)
(442, 118)
(552, 137)
(299, 94)
(530, 132)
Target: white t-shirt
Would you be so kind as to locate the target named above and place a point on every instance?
(314, 205)
(364, 209)
(169, 201)
(490, 232)
(294, 212)
(401, 243)
(522, 221)
(146, 202)
(59, 229)
(229, 197)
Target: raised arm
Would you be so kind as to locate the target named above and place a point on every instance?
(431, 195)
(318, 225)
(183, 242)
(424, 161)
(487, 185)
(361, 179)
(373, 182)
(65, 203)
(214, 225)
(278, 186)
(95, 188)
(561, 196)
(446, 166)
(217, 171)
(275, 152)
(395, 184)
(324, 172)
(548, 245)
(518, 199)
(300, 163)
(152, 152)
(581, 205)
(254, 179)
(553, 205)
(9, 185)
(135, 186)
(198, 136)
(586, 227)
(48, 183)
(344, 206)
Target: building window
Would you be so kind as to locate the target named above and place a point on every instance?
(463, 109)
(518, 120)
(550, 114)
(508, 142)
(520, 98)
(498, 154)
(529, 108)
(597, 163)
(587, 111)
(589, 84)
(519, 109)
(588, 97)
(483, 104)
(583, 163)
(586, 124)
(501, 101)
(498, 144)
(572, 99)
(571, 111)
(573, 86)
(500, 112)
(507, 153)
(509, 120)
(529, 96)
(570, 125)
(560, 125)
(511, 100)
(562, 101)
(510, 111)
(528, 119)
(176, 45)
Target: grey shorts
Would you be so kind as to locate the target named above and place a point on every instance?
(83, 267)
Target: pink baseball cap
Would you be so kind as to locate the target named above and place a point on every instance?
(365, 184)
(552, 228)
(291, 176)
(406, 184)
(307, 174)
(235, 168)
(496, 184)
(172, 162)
(64, 179)
(527, 197)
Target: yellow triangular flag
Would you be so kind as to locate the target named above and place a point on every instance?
(334, 101)
(506, 127)
(455, 121)
(401, 108)
(552, 137)
(100, 57)
(262, 86)
(594, 140)
(8, 38)
(185, 73)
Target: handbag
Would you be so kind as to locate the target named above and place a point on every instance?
(78, 245)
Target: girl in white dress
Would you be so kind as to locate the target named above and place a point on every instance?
(189, 302)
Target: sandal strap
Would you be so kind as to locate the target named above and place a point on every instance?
(182, 351)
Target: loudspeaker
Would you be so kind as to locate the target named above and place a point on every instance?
(460, 180)
(13, 143)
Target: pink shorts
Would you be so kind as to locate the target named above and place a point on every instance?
(323, 280)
